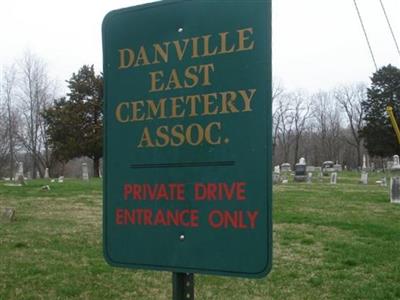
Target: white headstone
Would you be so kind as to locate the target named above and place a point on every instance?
(285, 167)
(396, 163)
(364, 177)
(309, 177)
(364, 166)
(46, 173)
(333, 177)
(310, 169)
(20, 171)
(85, 171)
(61, 179)
(275, 178)
(302, 161)
(277, 170)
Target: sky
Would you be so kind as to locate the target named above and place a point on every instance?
(317, 44)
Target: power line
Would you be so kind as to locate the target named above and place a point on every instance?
(365, 34)
(390, 27)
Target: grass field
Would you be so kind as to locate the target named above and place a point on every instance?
(330, 242)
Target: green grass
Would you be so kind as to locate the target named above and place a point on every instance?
(330, 242)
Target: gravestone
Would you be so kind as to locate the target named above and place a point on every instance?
(309, 177)
(285, 172)
(60, 179)
(20, 171)
(276, 175)
(364, 177)
(364, 165)
(327, 167)
(333, 177)
(45, 188)
(46, 173)
(300, 170)
(395, 180)
(310, 169)
(85, 171)
(8, 215)
(337, 167)
(285, 167)
(384, 182)
(21, 180)
(19, 176)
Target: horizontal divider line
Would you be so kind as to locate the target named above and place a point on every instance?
(184, 165)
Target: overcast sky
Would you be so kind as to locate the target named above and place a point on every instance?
(317, 44)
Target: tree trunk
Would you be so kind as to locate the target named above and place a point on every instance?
(358, 155)
(12, 163)
(296, 151)
(96, 167)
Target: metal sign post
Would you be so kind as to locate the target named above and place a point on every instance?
(182, 286)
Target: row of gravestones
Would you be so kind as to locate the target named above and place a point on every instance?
(301, 174)
(20, 178)
(8, 214)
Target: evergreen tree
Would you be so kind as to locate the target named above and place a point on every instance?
(86, 96)
(75, 124)
(379, 136)
(62, 125)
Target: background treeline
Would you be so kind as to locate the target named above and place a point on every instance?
(319, 127)
(339, 125)
(45, 129)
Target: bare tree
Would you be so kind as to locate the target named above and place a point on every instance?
(36, 92)
(277, 89)
(327, 120)
(300, 115)
(349, 98)
(279, 109)
(284, 126)
(9, 116)
(3, 139)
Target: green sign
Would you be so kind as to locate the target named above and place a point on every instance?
(188, 137)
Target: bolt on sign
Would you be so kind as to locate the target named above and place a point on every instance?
(188, 137)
